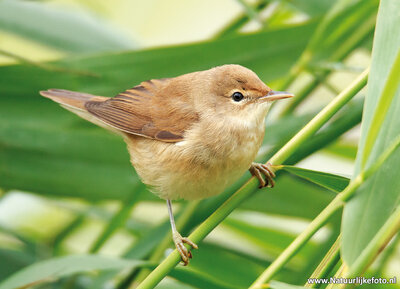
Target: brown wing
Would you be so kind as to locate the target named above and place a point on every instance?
(144, 110)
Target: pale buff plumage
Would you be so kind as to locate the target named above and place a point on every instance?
(207, 163)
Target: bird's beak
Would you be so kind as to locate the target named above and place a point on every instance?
(275, 95)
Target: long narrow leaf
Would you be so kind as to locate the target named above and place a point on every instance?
(332, 182)
(59, 28)
(366, 213)
(49, 270)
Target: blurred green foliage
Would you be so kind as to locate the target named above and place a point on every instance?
(83, 172)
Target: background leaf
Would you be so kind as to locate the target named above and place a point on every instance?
(374, 202)
(58, 28)
(60, 267)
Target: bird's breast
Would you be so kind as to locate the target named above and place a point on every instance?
(222, 143)
(209, 159)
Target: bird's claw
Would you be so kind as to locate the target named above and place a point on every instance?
(258, 170)
(179, 241)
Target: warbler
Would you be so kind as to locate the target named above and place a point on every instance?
(188, 137)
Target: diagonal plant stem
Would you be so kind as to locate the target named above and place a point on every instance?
(339, 274)
(321, 219)
(118, 220)
(359, 36)
(381, 239)
(237, 23)
(251, 12)
(320, 119)
(327, 264)
(384, 260)
(374, 248)
(250, 186)
(45, 66)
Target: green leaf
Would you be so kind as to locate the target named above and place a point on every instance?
(289, 197)
(221, 264)
(385, 101)
(271, 240)
(51, 269)
(12, 261)
(374, 202)
(340, 22)
(59, 28)
(344, 28)
(48, 150)
(332, 182)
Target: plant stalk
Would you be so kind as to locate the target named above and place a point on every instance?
(377, 244)
(118, 220)
(321, 219)
(357, 38)
(250, 186)
(327, 264)
(320, 119)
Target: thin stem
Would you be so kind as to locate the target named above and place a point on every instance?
(330, 260)
(299, 242)
(339, 273)
(117, 221)
(251, 12)
(358, 37)
(320, 119)
(386, 255)
(250, 186)
(70, 228)
(45, 66)
(237, 23)
(377, 244)
(321, 219)
(303, 93)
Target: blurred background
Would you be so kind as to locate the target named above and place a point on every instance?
(67, 187)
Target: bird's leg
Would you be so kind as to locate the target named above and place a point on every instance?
(258, 170)
(178, 239)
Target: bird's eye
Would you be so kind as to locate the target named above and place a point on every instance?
(237, 96)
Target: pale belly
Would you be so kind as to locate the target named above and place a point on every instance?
(191, 171)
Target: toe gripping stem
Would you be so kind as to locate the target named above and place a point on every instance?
(258, 170)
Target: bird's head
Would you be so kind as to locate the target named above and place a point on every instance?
(237, 92)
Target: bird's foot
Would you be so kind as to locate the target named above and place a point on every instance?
(179, 241)
(258, 170)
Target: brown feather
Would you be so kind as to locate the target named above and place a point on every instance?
(150, 110)
(71, 99)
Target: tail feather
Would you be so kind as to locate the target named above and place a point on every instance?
(75, 102)
(71, 99)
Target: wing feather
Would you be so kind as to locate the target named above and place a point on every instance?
(146, 110)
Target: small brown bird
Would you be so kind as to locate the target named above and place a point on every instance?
(188, 137)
